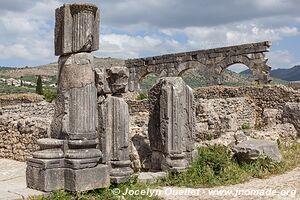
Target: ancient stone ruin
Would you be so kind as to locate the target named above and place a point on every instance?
(114, 122)
(98, 137)
(70, 159)
(171, 124)
(211, 63)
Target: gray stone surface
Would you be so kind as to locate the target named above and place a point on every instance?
(212, 62)
(70, 160)
(112, 80)
(87, 179)
(171, 124)
(291, 114)
(114, 137)
(252, 149)
(150, 177)
(13, 181)
(76, 28)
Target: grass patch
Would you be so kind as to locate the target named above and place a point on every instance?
(104, 194)
(214, 166)
(142, 96)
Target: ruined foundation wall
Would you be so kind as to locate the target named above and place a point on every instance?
(22, 124)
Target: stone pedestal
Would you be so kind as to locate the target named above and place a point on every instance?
(71, 159)
(171, 124)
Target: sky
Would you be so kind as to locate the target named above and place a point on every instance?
(140, 28)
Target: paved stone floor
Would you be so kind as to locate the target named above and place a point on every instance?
(13, 182)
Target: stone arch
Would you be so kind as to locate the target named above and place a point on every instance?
(185, 66)
(220, 67)
(240, 59)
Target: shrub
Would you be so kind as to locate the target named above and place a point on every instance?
(50, 94)
(213, 166)
(142, 96)
(246, 126)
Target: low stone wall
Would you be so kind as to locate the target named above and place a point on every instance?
(216, 116)
(264, 97)
(14, 99)
(219, 110)
(20, 127)
(138, 106)
(295, 85)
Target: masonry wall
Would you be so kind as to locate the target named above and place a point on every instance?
(218, 110)
(20, 127)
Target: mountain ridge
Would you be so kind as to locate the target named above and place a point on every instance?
(291, 74)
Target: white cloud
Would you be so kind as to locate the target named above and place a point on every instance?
(28, 34)
(127, 46)
(280, 59)
(224, 35)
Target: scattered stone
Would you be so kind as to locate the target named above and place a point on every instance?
(291, 114)
(151, 177)
(252, 149)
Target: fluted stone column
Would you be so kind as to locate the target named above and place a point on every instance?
(171, 124)
(114, 122)
(70, 160)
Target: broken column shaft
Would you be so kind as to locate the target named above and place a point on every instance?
(75, 120)
(171, 124)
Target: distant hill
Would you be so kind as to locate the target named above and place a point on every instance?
(193, 78)
(51, 69)
(292, 74)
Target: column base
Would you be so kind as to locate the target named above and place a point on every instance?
(77, 180)
(46, 180)
(52, 174)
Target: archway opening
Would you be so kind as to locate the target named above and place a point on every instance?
(194, 74)
(237, 75)
(194, 78)
(148, 81)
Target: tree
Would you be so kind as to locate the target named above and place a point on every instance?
(39, 85)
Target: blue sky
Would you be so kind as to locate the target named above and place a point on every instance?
(136, 28)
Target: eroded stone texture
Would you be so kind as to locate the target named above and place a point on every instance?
(291, 114)
(70, 159)
(75, 111)
(113, 122)
(212, 63)
(112, 80)
(171, 124)
(252, 149)
(76, 28)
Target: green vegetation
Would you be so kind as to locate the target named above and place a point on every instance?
(246, 126)
(114, 192)
(39, 86)
(50, 94)
(214, 166)
(142, 96)
(9, 89)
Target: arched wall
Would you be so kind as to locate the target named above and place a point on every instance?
(211, 63)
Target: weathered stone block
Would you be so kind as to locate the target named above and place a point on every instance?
(252, 149)
(112, 80)
(171, 124)
(45, 179)
(76, 28)
(87, 179)
(291, 114)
